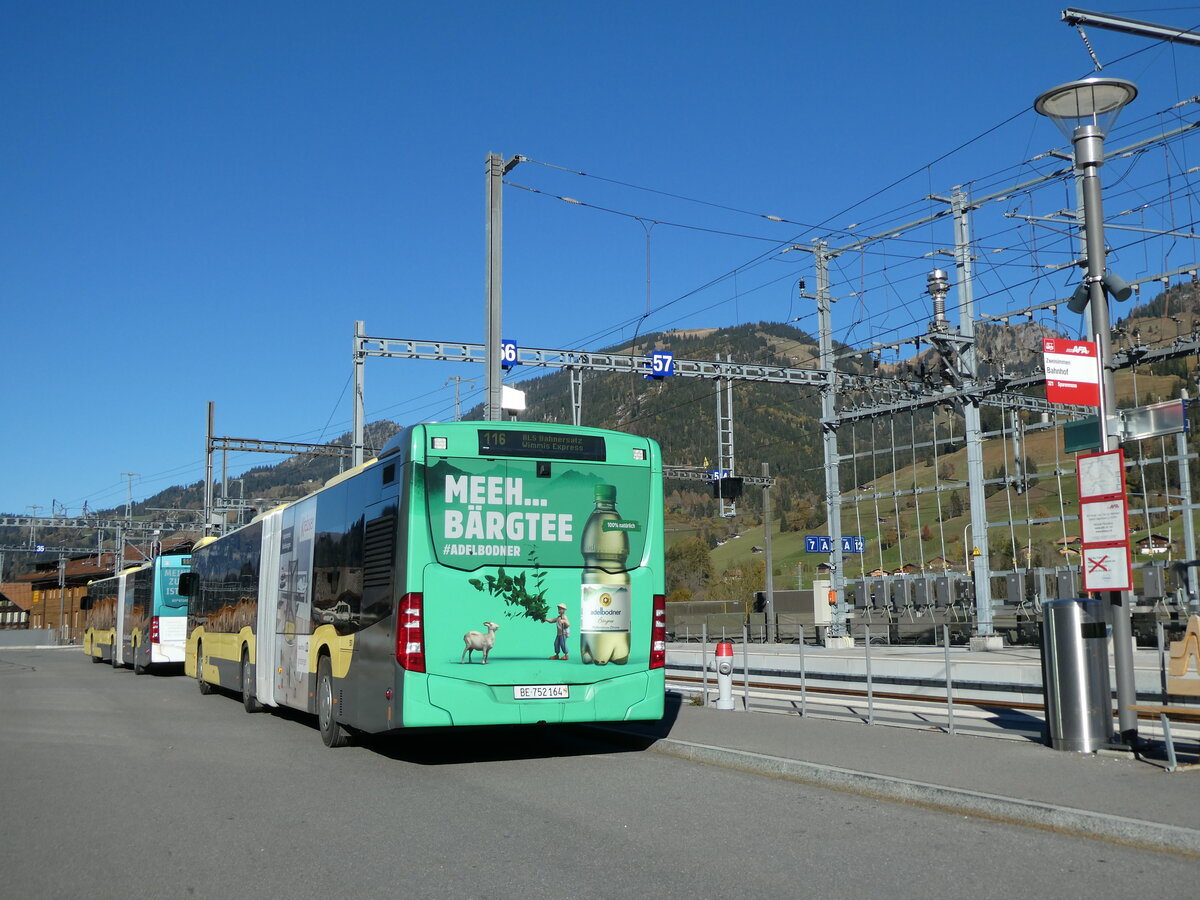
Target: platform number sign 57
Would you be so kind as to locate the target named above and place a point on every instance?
(662, 364)
(508, 354)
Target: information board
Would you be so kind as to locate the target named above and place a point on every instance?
(1072, 373)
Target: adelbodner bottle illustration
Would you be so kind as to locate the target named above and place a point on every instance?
(605, 600)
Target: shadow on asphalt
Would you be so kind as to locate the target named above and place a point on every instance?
(1154, 753)
(467, 744)
(1004, 718)
(458, 746)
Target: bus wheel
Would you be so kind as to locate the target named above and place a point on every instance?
(205, 687)
(332, 733)
(249, 701)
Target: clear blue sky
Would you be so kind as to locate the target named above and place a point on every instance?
(199, 199)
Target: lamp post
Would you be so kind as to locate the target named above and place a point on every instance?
(1084, 111)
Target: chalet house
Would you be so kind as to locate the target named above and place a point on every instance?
(1155, 543)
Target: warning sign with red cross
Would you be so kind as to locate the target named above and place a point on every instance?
(1107, 562)
(1107, 569)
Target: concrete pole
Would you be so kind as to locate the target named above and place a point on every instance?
(497, 168)
(492, 307)
(973, 432)
(838, 633)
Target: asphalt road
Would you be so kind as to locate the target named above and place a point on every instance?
(117, 785)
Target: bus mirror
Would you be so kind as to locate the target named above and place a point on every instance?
(188, 582)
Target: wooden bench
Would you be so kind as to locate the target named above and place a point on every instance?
(1183, 679)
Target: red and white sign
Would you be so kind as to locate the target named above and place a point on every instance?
(1101, 475)
(1107, 569)
(1104, 522)
(1072, 371)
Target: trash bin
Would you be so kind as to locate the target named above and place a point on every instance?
(1075, 674)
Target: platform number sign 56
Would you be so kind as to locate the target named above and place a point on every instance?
(508, 354)
(662, 364)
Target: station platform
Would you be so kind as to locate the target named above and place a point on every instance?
(1112, 795)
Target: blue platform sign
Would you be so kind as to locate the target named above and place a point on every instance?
(508, 354)
(39, 548)
(817, 543)
(822, 543)
(662, 364)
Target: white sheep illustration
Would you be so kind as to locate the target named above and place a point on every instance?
(477, 640)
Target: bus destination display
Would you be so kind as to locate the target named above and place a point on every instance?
(541, 444)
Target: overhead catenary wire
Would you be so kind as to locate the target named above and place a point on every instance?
(898, 294)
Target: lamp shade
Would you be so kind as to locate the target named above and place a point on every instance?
(1090, 101)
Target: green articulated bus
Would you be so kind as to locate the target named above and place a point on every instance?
(473, 574)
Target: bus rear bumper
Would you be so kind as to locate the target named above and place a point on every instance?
(636, 696)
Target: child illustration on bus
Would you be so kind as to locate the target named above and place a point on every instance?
(562, 632)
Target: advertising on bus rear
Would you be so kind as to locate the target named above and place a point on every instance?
(547, 555)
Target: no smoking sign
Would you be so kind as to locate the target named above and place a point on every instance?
(1107, 569)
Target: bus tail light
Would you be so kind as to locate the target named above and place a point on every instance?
(410, 634)
(658, 634)
(154, 630)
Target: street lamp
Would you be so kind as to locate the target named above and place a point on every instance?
(1084, 111)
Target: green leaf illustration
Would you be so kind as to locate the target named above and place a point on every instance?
(514, 591)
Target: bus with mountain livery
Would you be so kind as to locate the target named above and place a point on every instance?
(138, 618)
(475, 573)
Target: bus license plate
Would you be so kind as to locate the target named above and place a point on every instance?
(540, 692)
